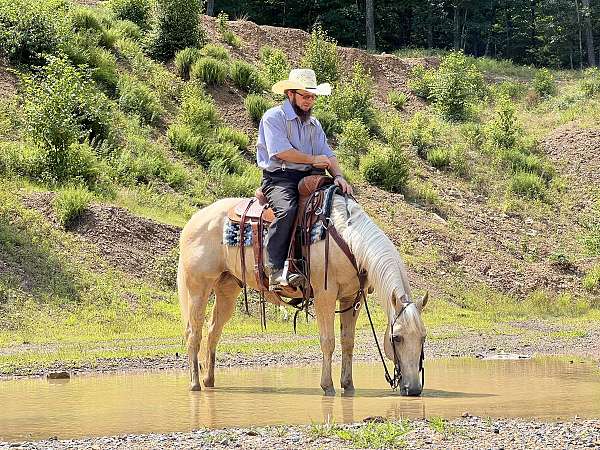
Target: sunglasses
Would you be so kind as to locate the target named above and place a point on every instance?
(306, 97)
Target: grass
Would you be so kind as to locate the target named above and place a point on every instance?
(376, 435)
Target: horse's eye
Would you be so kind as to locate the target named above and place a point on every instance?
(397, 339)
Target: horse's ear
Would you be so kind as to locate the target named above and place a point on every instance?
(423, 301)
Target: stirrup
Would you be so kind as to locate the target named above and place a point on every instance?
(296, 280)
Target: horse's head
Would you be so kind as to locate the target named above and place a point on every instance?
(404, 341)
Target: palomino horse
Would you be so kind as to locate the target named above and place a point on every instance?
(207, 265)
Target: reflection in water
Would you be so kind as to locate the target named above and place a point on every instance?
(160, 402)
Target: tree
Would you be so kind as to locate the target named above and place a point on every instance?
(370, 16)
(589, 36)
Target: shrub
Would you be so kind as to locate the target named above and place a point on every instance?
(459, 163)
(439, 157)
(222, 22)
(85, 19)
(128, 29)
(528, 185)
(353, 142)
(199, 113)
(457, 84)
(239, 138)
(234, 185)
(423, 133)
(511, 89)
(69, 203)
(473, 136)
(320, 55)
(109, 36)
(136, 11)
(591, 281)
(232, 39)
(245, 77)
(183, 139)
(274, 65)
(30, 29)
(518, 161)
(590, 85)
(397, 99)
(353, 98)
(209, 70)
(420, 81)
(328, 120)
(62, 106)
(184, 60)
(504, 131)
(75, 163)
(256, 106)
(104, 67)
(224, 155)
(176, 25)
(215, 51)
(386, 168)
(136, 97)
(544, 84)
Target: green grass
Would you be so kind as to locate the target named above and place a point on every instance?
(376, 435)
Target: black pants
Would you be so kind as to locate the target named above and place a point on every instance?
(281, 189)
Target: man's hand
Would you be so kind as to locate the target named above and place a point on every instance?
(321, 162)
(343, 184)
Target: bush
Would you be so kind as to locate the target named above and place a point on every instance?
(136, 97)
(256, 106)
(104, 67)
(234, 185)
(397, 99)
(473, 136)
(320, 55)
(591, 281)
(328, 120)
(386, 168)
(136, 11)
(528, 185)
(420, 81)
(128, 29)
(70, 203)
(184, 60)
(423, 134)
(62, 106)
(209, 70)
(457, 84)
(274, 65)
(239, 138)
(511, 89)
(176, 25)
(30, 29)
(353, 98)
(544, 84)
(590, 85)
(232, 39)
(183, 139)
(224, 155)
(245, 77)
(199, 113)
(504, 131)
(109, 36)
(85, 19)
(439, 157)
(518, 161)
(215, 51)
(353, 142)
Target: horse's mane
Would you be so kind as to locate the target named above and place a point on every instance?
(374, 252)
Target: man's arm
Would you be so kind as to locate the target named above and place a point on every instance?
(294, 156)
(338, 177)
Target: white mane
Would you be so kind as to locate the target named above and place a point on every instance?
(373, 251)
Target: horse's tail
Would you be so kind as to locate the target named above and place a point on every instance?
(183, 292)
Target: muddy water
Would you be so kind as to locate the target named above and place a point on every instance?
(160, 401)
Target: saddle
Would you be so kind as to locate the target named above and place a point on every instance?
(256, 212)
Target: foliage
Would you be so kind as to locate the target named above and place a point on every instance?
(274, 65)
(136, 11)
(590, 85)
(423, 133)
(420, 81)
(386, 168)
(176, 25)
(376, 435)
(239, 138)
(439, 157)
(512, 89)
(328, 119)
(62, 106)
(397, 99)
(234, 184)
(257, 105)
(353, 142)
(30, 29)
(83, 19)
(136, 97)
(183, 139)
(209, 70)
(226, 33)
(591, 281)
(128, 29)
(320, 55)
(504, 131)
(246, 77)
(198, 111)
(529, 185)
(544, 84)
(69, 203)
(184, 60)
(456, 86)
(215, 51)
(353, 98)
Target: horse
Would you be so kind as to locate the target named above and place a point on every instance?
(207, 265)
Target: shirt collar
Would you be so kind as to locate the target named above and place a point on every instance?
(290, 114)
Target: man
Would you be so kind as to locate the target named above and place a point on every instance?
(291, 145)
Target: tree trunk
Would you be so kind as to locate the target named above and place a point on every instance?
(580, 40)
(589, 36)
(456, 28)
(429, 25)
(210, 8)
(370, 26)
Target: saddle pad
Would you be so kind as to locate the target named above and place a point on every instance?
(231, 233)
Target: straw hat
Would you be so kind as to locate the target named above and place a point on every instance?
(304, 79)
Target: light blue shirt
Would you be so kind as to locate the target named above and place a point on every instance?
(281, 129)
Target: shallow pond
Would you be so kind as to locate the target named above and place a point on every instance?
(160, 401)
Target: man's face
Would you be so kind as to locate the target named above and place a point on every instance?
(303, 99)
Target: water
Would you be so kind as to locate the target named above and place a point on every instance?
(160, 401)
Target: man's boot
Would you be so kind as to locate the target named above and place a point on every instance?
(277, 280)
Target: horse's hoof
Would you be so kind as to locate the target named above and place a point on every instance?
(195, 387)
(329, 392)
(348, 389)
(209, 382)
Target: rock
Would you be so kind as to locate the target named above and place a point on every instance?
(375, 419)
(466, 414)
(58, 376)
(251, 433)
(496, 431)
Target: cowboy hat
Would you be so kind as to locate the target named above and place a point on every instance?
(304, 79)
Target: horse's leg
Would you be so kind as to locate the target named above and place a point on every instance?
(325, 312)
(197, 301)
(347, 329)
(226, 292)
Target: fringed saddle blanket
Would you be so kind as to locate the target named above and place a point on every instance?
(231, 233)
